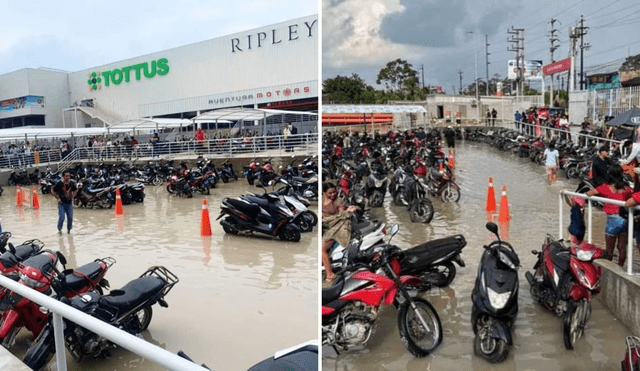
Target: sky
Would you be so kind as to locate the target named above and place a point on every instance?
(361, 36)
(77, 35)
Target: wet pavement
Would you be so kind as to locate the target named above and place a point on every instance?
(538, 338)
(239, 300)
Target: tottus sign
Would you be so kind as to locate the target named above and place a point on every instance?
(117, 75)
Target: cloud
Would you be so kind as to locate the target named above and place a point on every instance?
(351, 33)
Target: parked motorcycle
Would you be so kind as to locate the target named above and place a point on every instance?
(226, 172)
(271, 218)
(128, 308)
(376, 185)
(350, 307)
(88, 196)
(495, 299)
(564, 281)
(442, 184)
(631, 360)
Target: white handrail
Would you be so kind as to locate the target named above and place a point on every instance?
(124, 339)
(590, 220)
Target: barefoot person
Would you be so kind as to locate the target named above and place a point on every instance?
(336, 224)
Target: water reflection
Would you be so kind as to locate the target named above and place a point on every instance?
(537, 335)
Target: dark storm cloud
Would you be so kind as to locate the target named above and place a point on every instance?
(434, 23)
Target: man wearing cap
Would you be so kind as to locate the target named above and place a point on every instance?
(450, 135)
(600, 166)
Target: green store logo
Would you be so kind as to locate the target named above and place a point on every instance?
(94, 81)
(117, 75)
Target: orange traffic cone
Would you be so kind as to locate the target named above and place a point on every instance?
(36, 201)
(491, 198)
(205, 225)
(18, 196)
(119, 210)
(504, 206)
(451, 161)
(591, 171)
(440, 166)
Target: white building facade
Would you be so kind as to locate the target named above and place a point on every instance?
(274, 66)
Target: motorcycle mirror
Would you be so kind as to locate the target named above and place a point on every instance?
(493, 228)
(61, 258)
(394, 229)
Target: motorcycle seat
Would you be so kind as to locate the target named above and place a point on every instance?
(75, 282)
(332, 293)
(560, 255)
(133, 293)
(426, 253)
(249, 209)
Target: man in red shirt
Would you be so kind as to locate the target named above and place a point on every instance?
(200, 136)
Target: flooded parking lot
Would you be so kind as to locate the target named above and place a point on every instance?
(538, 338)
(239, 299)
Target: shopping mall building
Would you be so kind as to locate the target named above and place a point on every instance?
(273, 67)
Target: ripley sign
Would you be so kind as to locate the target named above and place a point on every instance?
(274, 37)
(116, 75)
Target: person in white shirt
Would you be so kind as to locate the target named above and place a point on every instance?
(551, 162)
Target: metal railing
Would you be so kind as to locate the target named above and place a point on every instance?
(124, 339)
(590, 220)
(223, 147)
(16, 160)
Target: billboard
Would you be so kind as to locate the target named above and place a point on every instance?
(532, 70)
(23, 102)
(557, 67)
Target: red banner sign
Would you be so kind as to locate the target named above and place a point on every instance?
(556, 67)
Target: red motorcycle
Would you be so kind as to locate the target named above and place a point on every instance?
(631, 361)
(38, 272)
(345, 183)
(350, 307)
(441, 183)
(564, 281)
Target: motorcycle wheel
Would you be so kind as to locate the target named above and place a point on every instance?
(572, 172)
(313, 218)
(397, 199)
(105, 202)
(492, 349)
(304, 224)
(418, 340)
(144, 318)
(42, 350)
(227, 229)
(12, 182)
(249, 179)
(225, 179)
(442, 275)
(289, 234)
(376, 199)
(422, 211)
(573, 322)
(451, 193)
(235, 177)
(171, 189)
(205, 190)
(157, 181)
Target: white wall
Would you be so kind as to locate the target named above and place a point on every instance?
(205, 71)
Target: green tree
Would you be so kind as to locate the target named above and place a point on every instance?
(343, 89)
(394, 76)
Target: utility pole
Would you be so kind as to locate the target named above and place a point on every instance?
(573, 36)
(486, 39)
(519, 55)
(552, 48)
(422, 68)
(580, 32)
(460, 72)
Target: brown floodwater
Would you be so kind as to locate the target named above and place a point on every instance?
(239, 300)
(538, 338)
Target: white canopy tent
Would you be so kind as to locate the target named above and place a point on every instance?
(244, 114)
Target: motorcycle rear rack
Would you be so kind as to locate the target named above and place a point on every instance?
(633, 345)
(164, 274)
(108, 261)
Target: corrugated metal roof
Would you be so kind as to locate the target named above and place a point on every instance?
(371, 108)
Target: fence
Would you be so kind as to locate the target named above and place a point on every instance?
(612, 102)
(35, 158)
(227, 147)
(59, 310)
(590, 221)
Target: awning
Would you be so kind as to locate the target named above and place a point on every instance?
(244, 114)
(149, 124)
(372, 108)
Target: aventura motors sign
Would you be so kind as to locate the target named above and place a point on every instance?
(272, 37)
(115, 76)
(286, 92)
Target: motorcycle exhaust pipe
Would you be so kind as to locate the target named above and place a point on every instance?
(229, 225)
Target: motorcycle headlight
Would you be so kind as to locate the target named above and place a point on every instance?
(359, 199)
(379, 183)
(30, 281)
(498, 301)
(585, 255)
(505, 259)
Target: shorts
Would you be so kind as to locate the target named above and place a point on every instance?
(616, 225)
(551, 169)
(451, 144)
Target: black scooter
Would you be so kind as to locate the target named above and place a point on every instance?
(495, 299)
(268, 216)
(376, 185)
